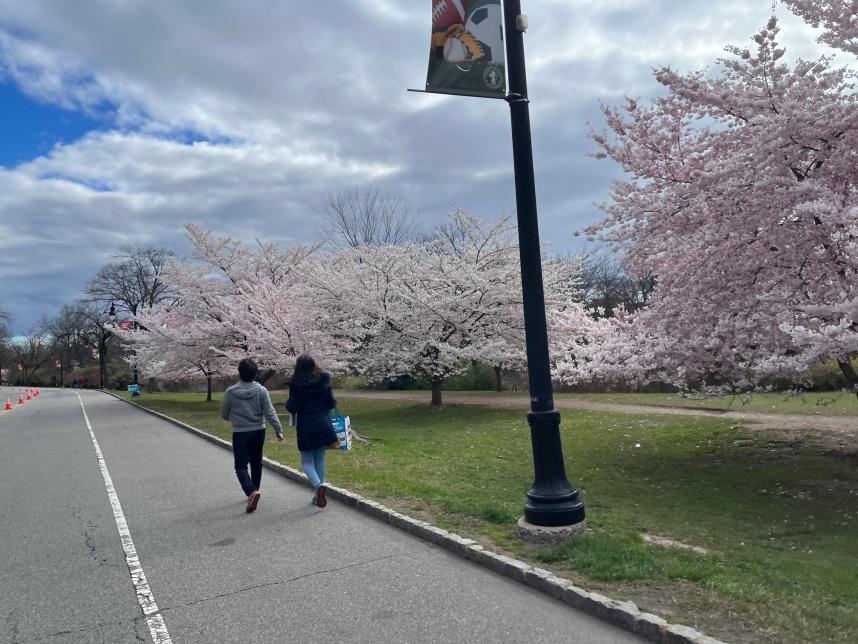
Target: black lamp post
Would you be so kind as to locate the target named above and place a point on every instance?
(134, 352)
(111, 317)
(552, 500)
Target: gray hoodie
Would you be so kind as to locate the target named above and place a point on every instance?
(247, 405)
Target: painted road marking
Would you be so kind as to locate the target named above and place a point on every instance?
(154, 619)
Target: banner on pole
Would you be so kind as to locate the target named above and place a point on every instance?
(467, 54)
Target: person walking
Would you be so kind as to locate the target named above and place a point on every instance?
(310, 400)
(247, 406)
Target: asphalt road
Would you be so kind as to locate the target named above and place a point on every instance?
(208, 572)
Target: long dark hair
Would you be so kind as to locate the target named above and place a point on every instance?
(306, 371)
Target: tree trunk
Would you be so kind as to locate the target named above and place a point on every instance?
(263, 377)
(498, 379)
(849, 372)
(209, 392)
(436, 392)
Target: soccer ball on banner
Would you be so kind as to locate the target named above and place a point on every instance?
(484, 24)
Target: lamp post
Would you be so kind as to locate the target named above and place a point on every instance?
(102, 349)
(134, 352)
(552, 501)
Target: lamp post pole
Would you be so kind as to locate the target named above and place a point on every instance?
(552, 500)
(102, 345)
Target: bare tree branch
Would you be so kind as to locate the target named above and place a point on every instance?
(352, 218)
(134, 281)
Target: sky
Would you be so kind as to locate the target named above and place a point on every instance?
(122, 120)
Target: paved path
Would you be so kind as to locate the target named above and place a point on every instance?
(287, 573)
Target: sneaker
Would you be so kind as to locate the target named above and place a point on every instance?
(321, 501)
(252, 501)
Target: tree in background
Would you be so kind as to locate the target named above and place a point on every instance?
(608, 288)
(173, 346)
(742, 202)
(134, 281)
(352, 219)
(234, 301)
(72, 334)
(29, 354)
(428, 308)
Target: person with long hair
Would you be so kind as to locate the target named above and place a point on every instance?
(311, 401)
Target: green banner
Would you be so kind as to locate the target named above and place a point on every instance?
(467, 55)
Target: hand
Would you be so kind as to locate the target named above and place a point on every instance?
(279, 438)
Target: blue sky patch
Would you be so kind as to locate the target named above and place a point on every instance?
(29, 129)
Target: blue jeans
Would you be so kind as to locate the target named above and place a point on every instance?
(313, 463)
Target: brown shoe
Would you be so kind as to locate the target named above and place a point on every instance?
(321, 501)
(252, 501)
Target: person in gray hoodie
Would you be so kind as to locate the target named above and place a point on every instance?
(247, 406)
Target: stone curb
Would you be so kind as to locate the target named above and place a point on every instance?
(625, 615)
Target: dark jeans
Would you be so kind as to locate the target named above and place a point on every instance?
(247, 450)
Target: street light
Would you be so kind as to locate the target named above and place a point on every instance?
(102, 345)
(552, 501)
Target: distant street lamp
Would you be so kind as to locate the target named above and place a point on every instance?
(102, 366)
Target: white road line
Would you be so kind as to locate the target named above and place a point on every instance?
(154, 619)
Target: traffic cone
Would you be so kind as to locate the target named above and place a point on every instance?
(37, 392)
(29, 397)
(8, 404)
(20, 398)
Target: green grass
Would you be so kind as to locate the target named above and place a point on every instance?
(780, 519)
(811, 403)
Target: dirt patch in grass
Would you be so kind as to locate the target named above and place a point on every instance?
(666, 542)
(837, 433)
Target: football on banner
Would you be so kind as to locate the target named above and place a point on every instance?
(448, 12)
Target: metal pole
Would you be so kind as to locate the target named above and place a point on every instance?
(552, 500)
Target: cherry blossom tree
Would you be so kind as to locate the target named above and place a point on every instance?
(235, 300)
(172, 346)
(838, 18)
(741, 200)
(430, 307)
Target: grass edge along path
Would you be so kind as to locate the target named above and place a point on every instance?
(775, 517)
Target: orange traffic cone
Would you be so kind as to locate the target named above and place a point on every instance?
(20, 398)
(8, 404)
(29, 397)
(37, 392)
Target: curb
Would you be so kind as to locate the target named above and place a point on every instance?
(623, 614)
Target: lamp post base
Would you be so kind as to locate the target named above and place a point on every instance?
(552, 500)
(549, 534)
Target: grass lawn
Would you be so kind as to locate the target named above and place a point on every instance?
(779, 519)
(812, 403)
